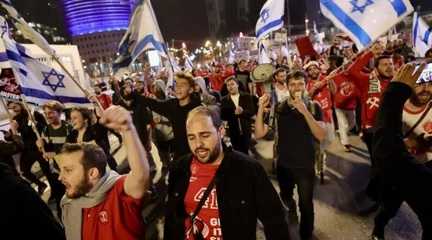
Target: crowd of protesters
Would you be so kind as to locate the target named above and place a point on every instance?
(205, 128)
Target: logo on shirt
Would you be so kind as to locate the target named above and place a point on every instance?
(346, 89)
(103, 217)
(373, 102)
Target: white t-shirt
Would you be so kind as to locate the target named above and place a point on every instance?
(410, 118)
(236, 99)
(282, 95)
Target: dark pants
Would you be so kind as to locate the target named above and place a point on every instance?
(304, 178)
(241, 143)
(372, 189)
(390, 202)
(57, 188)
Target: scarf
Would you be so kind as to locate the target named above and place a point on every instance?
(72, 208)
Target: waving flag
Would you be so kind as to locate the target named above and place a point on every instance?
(421, 36)
(263, 56)
(271, 18)
(365, 20)
(27, 31)
(143, 34)
(38, 82)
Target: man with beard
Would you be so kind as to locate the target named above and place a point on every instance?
(237, 109)
(176, 110)
(371, 86)
(279, 85)
(217, 193)
(417, 121)
(298, 130)
(101, 204)
(400, 170)
(318, 90)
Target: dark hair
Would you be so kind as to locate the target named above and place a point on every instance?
(428, 52)
(378, 59)
(93, 155)
(277, 71)
(209, 111)
(187, 77)
(296, 75)
(230, 78)
(85, 113)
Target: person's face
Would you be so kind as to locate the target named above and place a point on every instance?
(127, 89)
(73, 176)
(182, 89)
(429, 55)
(14, 109)
(280, 77)
(139, 86)
(296, 86)
(77, 120)
(243, 65)
(232, 87)
(204, 139)
(422, 94)
(337, 41)
(97, 90)
(52, 116)
(313, 72)
(386, 67)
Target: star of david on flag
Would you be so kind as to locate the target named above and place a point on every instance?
(58, 79)
(365, 20)
(270, 18)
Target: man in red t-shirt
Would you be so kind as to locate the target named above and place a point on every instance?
(101, 204)
(240, 194)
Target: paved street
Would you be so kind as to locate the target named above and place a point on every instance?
(339, 202)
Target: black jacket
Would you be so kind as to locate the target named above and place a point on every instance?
(396, 165)
(244, 194)
(228, 114)
(95, 132)
(23, 213)
(177, 115)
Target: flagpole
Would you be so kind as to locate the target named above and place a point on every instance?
(86, 93)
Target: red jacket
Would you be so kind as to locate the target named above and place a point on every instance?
(322, 96)
(346, 93)
(370, 90)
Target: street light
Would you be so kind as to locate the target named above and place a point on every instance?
(218, 44)
(184, 45)
(207, 43)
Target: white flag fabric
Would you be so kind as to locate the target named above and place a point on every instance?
(365, 20)
(270, 18)
(39, 82)
(263, 56)
(421, 36)
(27, 31)
(143, 34)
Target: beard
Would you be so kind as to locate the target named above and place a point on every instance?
(212, 154)
(421, 98)
(81, 189)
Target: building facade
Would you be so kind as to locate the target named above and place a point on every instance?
(97, 26)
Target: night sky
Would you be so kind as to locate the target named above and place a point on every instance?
(179, 19)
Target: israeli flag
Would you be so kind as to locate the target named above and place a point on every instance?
(27, 31)
(421, 36)
(143, 34)
(365, 20)
(38, 82)
(270, 18)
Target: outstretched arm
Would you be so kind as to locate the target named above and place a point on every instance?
(137, 181)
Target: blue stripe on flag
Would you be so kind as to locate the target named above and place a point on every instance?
(399, 6)
(147, 40)
(269, 26)
(346, 20)
(14, 56)
(23, 72)
(30, 92)
(414, 34)
(3, 57)
(426, 36)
